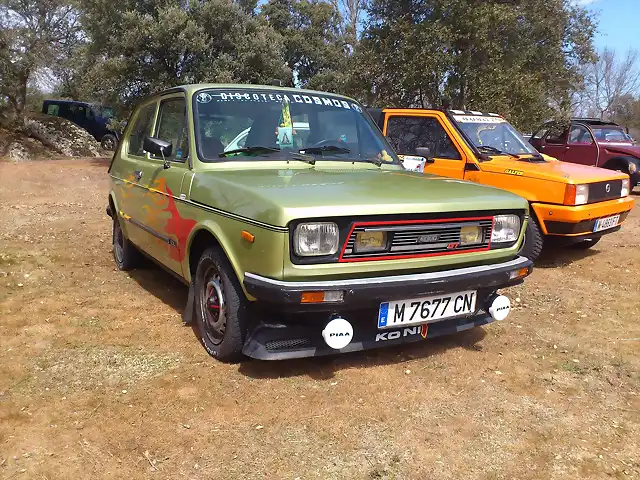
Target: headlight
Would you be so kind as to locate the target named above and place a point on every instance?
(311, 239)
(470, 234)
(370, 242)
(624, 191)
(506, 228)
(576, 194)
(632, 168)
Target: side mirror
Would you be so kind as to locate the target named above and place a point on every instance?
(155, 146)
(426, 153)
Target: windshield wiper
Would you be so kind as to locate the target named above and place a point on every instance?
(325, 148)
(255, 149)
(534, 157)
(494, 150)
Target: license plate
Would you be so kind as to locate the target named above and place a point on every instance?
(426, 309)
(605, 223)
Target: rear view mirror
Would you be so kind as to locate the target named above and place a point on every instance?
(155, 146)
(426, 153)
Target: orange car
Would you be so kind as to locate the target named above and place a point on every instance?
(575, 204)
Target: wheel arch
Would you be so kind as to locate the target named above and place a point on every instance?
(623, 161)
(202, 237)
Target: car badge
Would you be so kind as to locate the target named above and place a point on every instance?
(428, 238)
(608, 188)
(451, 246)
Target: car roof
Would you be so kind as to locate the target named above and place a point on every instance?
(190, 89)
(594, 121)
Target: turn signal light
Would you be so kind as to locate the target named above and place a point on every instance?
(520, 273)
(322, 297)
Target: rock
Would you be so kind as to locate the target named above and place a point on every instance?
(17, 152)
(62, 136)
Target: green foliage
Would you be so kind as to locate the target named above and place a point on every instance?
(137, 48)
(519, 58)
(33, 35)
(314, 48)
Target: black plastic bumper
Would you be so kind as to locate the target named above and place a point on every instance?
(371, 291)
(280, 342)
(585, 227)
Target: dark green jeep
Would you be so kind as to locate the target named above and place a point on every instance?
(308, 236)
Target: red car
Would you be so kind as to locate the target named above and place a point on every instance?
(590, 141)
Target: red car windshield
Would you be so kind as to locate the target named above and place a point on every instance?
(610, 135)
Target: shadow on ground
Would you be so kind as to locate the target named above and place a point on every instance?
(324, 368)
(557, 257)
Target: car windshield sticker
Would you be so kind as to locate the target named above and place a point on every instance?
(285, 128)
(260, 97)
(478, 119)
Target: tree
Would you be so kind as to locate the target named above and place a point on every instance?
(33, 34)
(137, 48)
(609, 79)
(314, 48)
(516, 57)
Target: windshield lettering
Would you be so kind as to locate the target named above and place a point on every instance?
(493, 135)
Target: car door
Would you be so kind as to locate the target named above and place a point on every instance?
(127, 173)
(163, 187)
(581, 146)
(406, 133)
(554, 142)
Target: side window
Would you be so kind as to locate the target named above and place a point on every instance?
(141, 128)
(407, 133)
(540, 133)
(53, 109)
(172, 127)
(580, 135)
(556, 135)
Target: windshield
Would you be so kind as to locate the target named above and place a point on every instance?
(260, 124)
(493, 132)
(610, 134)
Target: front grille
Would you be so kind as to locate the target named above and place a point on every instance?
(598, 191)
(290, 344)
(419, 238)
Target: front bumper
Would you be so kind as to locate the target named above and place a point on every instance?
(371, 291)
(579, 220)
(285, 333)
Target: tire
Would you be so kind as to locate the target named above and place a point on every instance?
(585, 244)
(533, 240)
(125, 254)
(221, 307)
(109, 142)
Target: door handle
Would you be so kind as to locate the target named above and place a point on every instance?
(566, 148)
(137, 174)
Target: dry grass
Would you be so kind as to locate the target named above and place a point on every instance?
(100, 379)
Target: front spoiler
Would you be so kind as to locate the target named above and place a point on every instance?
(281, 342)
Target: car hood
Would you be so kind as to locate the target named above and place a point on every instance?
(276, 196)
(554, 170)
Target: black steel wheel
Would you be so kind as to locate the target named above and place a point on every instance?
(221, 306)
(109, 142)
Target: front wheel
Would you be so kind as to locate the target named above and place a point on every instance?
(533, 240)
(585, 244)
(221, 307)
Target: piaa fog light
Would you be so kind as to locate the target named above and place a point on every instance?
(500, 307)
(338, 333)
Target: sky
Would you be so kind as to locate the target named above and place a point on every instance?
(618, 23)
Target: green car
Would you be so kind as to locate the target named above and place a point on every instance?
(305, 243)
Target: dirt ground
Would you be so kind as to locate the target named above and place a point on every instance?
(99, 378)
